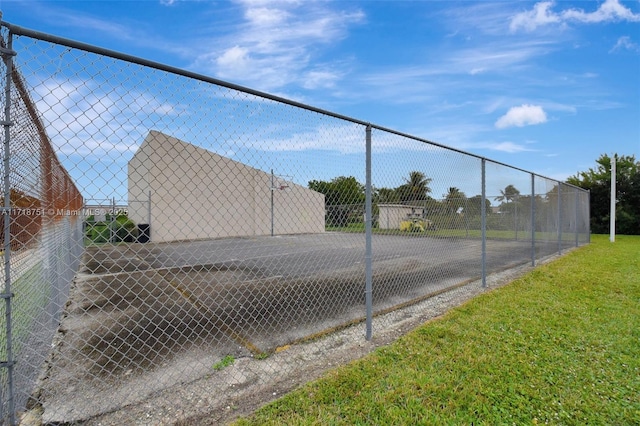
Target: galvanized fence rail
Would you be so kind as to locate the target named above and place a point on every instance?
(163, 230)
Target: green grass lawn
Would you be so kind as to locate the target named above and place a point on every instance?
(561, 345)
(31, 297)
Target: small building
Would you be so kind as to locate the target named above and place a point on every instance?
(184, 192)
(391, 215)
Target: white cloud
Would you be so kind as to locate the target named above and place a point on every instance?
(265, 17)
(440, 77)
(338, 137)
(509, 147)
(494, 56)
(235, 57)
(493, 104)
(116, 30)
(541, 15)
(506, 146)
(345, 138)
(625, 43)
(83, 119)
(275, 43)
(320, 78)
(609, 11)
(522, 116)
(478, 70)
(472, 19)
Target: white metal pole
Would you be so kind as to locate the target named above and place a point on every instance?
(612, 221)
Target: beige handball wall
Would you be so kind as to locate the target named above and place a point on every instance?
(197, 194)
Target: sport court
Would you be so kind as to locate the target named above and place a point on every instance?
(137, 311)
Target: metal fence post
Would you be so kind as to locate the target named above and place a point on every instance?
(7, 55)
(575, 209)
(515, 216)
(112, 209)
(149, 217)
(589, 216)
(533, 220)
(368, 246)
(559, 218)
(483, 218)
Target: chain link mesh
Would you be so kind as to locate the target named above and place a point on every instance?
(188, 234)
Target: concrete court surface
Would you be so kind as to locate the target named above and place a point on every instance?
(144, 317)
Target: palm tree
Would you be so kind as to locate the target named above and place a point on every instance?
(416, 187)
(507, 195)
(386, 195)
(454, 199)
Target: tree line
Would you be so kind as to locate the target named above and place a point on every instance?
(598, 181)
(345, 196)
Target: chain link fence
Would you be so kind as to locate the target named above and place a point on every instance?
(189, 232)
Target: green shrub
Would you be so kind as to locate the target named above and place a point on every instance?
(123, 230)
(97, 232)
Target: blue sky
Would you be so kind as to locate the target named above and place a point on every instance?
(544, 86)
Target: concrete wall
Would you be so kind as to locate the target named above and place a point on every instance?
(390, 215)
(197, 194)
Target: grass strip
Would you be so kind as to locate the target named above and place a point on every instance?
(31, 295)
(560, 345)
(358, 228)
